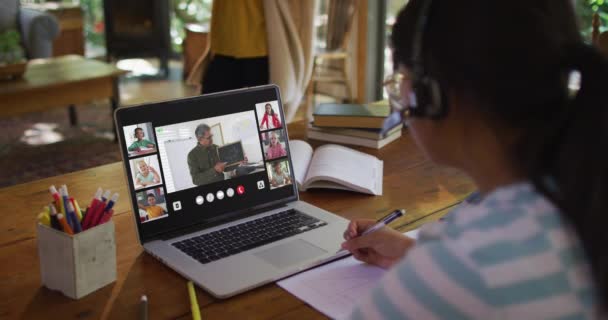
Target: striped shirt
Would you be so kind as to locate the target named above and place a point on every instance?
(510, 256)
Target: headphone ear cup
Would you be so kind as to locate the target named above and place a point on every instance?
(437, 106)
(430, 100)
(421, 98)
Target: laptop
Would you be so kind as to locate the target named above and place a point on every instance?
(227, 231)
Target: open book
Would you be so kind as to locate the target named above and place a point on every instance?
(335, 167)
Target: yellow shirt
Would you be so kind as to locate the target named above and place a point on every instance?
(154, 211)
(238, 28)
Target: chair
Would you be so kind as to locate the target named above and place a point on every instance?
(38, 29)
(330, 63)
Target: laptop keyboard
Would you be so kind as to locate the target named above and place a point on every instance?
(226, 242)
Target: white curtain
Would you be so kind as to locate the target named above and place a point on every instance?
(290, 29)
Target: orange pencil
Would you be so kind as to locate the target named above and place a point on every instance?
(64, 224)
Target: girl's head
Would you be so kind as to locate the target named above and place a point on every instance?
(504, 70)
(143, 167)
(510, 75)
(277, 167)
(273, 138)
(269, 109)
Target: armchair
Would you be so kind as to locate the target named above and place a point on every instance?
(38, 29)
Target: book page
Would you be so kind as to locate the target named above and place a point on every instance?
(357, 170)
(334, 288)
(301, 153)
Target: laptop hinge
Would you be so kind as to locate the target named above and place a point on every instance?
(215, 222)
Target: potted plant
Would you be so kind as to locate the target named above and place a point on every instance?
(12, 57)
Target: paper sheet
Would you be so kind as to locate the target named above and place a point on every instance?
(335, 288)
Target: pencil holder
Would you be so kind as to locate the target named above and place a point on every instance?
(80, 264)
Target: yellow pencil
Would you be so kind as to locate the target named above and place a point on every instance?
(77, 210)
(44, 218)
(196, 314)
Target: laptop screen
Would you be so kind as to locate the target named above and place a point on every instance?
(206, 159)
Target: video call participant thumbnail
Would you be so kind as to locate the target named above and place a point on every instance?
(154, 211)
(203, 161)
(140, 142)
(279, 174)
(270, 119)
(275, 147)
(147, 175)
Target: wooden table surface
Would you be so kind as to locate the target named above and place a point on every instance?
(58, 82)
(411, 182)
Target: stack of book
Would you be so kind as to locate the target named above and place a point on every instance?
(356, 124)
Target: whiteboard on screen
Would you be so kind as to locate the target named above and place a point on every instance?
(177, 155)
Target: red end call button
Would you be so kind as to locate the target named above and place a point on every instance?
(240, 189)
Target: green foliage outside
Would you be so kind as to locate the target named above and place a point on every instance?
(585, 10)
(182, 13)
(10, 47)
(185, 12)
(93, 22)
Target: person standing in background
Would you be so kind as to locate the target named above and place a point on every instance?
(239, 49)
(284, 28)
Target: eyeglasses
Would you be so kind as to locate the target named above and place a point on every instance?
(207, 138)
(399, 105)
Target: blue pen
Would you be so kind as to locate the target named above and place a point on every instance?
(111, 203)
(105, 196)
(77, 228)
(63, 190)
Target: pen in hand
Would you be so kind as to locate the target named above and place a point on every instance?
(382, 222)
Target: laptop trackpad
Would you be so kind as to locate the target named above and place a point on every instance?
(290, 253)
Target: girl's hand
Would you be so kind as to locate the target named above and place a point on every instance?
(384, 247)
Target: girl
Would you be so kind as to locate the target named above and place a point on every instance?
(279, 176)
(275, 149)
(502, 104)
(274, 121)
(147, 175)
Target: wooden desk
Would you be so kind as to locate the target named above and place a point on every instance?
(410, 182)
(60, 82)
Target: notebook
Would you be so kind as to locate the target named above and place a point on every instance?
(335, 288)
(226, 230)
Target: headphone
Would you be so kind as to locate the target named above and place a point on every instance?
(427, 99)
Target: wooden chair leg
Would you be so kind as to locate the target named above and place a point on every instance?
(72, 115)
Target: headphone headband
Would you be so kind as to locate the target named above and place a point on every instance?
(417, 47)
(429, 100)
